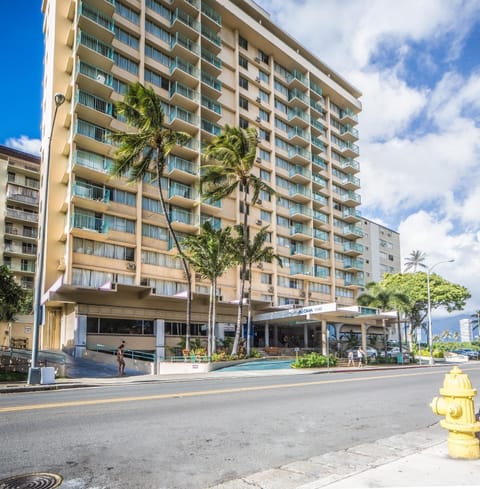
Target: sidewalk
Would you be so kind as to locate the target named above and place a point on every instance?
(418, 459)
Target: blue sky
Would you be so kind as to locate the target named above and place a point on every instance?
(417, 64)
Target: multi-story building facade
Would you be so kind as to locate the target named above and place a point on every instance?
(381, 250)
(19, 184)
(110, 265)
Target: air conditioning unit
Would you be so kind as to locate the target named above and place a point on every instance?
(258, 119)
(258, 160)
(259, 100)
(259, 201)
(258, 60)
(131, 266)
(101, 78)
(257, 79)
(271, 289)
(258, 222)
(198, 276)
(302, 293)
(260, 265)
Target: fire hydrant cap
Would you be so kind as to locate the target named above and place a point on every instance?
(457, 384)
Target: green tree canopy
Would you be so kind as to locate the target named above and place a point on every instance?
(12, 296)
(443, 294)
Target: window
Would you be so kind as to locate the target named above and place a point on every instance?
(127, 13)
(280, 106)
(243, 82)
(264, 155)
(242, 42)
(157, 31)
(119, 86)
(281, 88)
(265, 175)
(264, 115)
(156, 79)
(264, 58)
(265, 216)
(126, 37)
(157, 55)
(263, 134)
(243, 123)
(243, 102)
(264, 96)
(125, 63)
(242, 61)
(264, 77)
(266, 278)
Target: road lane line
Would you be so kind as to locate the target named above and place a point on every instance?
(231, 390)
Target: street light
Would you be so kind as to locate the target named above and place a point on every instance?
(429, 308)
(34, 370)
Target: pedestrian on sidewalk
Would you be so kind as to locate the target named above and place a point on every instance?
(360, 354)
(351, 363)
(121, 360)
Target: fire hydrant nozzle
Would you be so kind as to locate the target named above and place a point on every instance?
(456, 404)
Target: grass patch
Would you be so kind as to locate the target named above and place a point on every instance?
(13, 377)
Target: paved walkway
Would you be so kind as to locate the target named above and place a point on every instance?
(417, 459)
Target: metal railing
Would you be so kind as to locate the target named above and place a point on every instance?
(133, 354)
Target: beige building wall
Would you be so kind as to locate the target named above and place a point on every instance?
(212, 63)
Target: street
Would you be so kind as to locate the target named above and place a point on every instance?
(199, 433)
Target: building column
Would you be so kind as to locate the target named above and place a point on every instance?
(324, 337)
(159, 326)
(305, 335)
(275, 335)
(364, 336)
(267, 335)
(80, 336)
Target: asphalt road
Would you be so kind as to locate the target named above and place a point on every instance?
(196, 434)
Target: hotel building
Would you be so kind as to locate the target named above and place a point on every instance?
(19, 184)
(110, 269)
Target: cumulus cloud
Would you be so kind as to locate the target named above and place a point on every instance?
(25, 144)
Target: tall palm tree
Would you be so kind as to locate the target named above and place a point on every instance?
(211, 253)
(146, 149)
(257, 252)
(230, 159)
(475, 321)
(385, 300)
(415, 260)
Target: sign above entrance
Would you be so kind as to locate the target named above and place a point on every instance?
(299, 311)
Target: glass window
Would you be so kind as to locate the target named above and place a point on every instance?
(242, 61)
(242, 42)
(243, 102)
(243, 82)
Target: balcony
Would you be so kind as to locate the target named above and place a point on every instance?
(92, 192)
(187, 150)
(321, 235)
(184, 71)
(183, 95)
(320, 217)
(300, 174)
(317, 127)
(212, 85)
(213, 63)
(87, 103)
(22, 196)
(350, 182)
(16, 232)
(349, 149)
(18, 215)
(94, 79)
(352, 232)
(213, 18)
(299, 250)
(318, 145)
(89, 165)
(88, 223)
(297, 135)
(214, 108)
(349, 133)
(297, 79)
(28, 267)
(316, 107)
(352, 248)
(298, 117)
(183, 46)
(183, 120)
(214, 41)
(320, 271)
(319, 162)
(300, 212)
(300, 269)
(182, 195)
(300, 231)
(300, 193)
(182, 170)
(319, 181)
(14, 250)
(316, 89)
(320, 199)
(183, 220)
(354, 282)
(350, 198)
(353, 264)
(348, 116)
(96, 22)
(92, 137)
(349, 165)
(299, 155)
(351, 214)
(95, 52)
(320, 253)
(210, 127)
(298, 98)
(184, 23)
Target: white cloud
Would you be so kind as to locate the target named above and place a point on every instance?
(25, 144)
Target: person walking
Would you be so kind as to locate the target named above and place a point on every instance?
(121, 360)
(351, 363)
(360, 354)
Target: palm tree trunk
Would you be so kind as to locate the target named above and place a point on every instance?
(399, 330)
(214, 317)
(186, 268)
(243, 273)
(209, 322)
(249, 313)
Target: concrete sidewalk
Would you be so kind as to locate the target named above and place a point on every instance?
(417, 459)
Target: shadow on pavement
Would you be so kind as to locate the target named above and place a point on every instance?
(78, 368)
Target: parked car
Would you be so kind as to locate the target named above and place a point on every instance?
(371, 353)
(471, 354)
(394, 351)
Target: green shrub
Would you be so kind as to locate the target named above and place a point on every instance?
(313, 360)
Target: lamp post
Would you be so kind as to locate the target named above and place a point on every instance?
(429, 308)
(34, 370)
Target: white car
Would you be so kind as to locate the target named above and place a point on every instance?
(371, 352)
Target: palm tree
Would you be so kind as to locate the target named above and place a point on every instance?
(385, 300)
(415, 260)
(230, 160)
(257, 252)
(145, 150)
(475, 321)
(211, 253)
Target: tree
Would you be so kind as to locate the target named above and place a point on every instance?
(385, 299)
(443, 294)
(12, 296)
(415, 260)
(257, 252)
(211, 253)
(230, 159)
(475, 322)
(146, 150)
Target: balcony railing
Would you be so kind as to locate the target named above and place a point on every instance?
(93, 161)
(91, 192)
(95, 45)
(183, 66)
(186, 19)
(180, 88)
(211, 81)
(22, 215)
(182, 190)
(357, 247)
(94, 102)
(177, 163)
(84, 221)
(211, 104)
(184, 115)
(94, 132)
(212, 14)
(211, 58)
(95, 73)
(212, 36)
(211, 127)
(296, 75)
(97, 16)
(185, 42)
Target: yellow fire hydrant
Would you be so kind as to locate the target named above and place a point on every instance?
(458, 408)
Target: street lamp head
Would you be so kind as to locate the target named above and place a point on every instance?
(59, 99)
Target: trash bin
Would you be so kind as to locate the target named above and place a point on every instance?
(400, 358)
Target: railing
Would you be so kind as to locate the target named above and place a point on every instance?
(184, 66)
(94, 102)
(211, 36)
(182, 89)
(95, 73)
(184, 41)
(94, 161)
(24, 216)
(211, 58)
(133, 354)
(185, 19)
(95, 45)
(93, 131)
(97, 16)
(177, 163)
(211, 81)
(209, 12)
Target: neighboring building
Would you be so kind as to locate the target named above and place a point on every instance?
(109, 259)
(466, 333)
(19, 183)
(381, 250)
